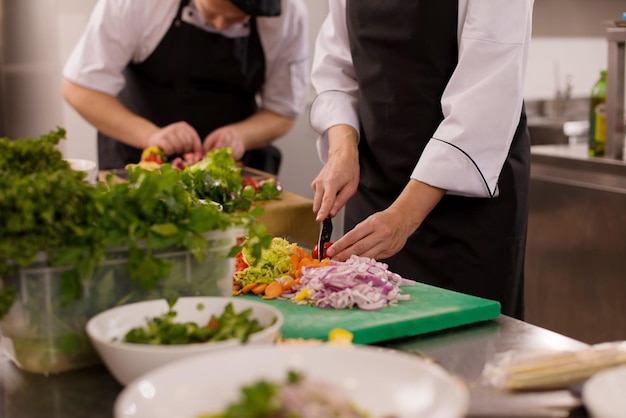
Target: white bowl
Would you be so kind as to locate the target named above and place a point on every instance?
(126, 361)
(603, 393)
(383, 382)
(88, 166)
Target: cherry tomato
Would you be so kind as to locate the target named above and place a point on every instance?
(249, 181)
(315, 251)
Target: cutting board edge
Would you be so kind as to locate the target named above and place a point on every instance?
(450, 320)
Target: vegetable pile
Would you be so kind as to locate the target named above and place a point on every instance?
(213, 165)
(275, 272)
(297, 397)
(48, 210)
(164, 330)
(286, 271)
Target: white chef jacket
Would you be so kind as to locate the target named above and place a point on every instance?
(121, 31)
(481, 104)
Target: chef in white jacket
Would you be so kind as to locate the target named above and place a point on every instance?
(191, 75)
(423, 137)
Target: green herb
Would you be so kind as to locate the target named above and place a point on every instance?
(268, 190)
(164, 330)
(50, 214)
(260, 400)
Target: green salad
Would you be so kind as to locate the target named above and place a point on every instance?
(164, 330)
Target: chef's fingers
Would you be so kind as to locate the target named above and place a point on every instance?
(180, 136)
(176, 138)
(333, 186)
(379, 236)
(226, 137)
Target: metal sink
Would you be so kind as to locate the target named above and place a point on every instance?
(547, 117)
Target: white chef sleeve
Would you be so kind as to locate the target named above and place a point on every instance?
(482, 102)
(333, 78)
(118, 32)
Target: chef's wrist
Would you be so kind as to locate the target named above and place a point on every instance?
(415, 202)
(342, 138)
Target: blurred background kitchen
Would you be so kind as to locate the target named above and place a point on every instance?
(576, 252)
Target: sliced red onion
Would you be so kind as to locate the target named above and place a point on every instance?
(359, 281)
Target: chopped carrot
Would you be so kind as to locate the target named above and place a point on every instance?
(249, 287)
(213, 323)
(289, 284)
(273, 290)
(259, 288)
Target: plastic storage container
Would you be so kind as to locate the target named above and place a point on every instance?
(42, 336)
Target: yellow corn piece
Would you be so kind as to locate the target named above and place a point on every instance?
(301, 295)
(340, 336)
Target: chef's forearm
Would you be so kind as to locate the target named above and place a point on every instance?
(108, 115)
(415, 203)
(262, 128)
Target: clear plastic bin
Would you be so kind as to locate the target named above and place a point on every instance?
(41, 336)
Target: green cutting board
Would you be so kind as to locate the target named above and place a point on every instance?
(430, 309)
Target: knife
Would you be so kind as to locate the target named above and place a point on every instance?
(326, 230)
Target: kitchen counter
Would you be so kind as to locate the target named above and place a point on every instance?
(91, 392)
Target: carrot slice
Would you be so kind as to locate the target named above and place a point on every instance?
(259, 288)
(249, 287)
(289, 284)
(273, 290)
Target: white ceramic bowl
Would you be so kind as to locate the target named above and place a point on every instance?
(126, 361)
(383, 382)
(603, 393)
(88, 166)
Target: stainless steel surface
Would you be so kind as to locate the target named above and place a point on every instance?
(616, 38)
(547, 117)
(465, 351)
(90, 393)
(575, 263)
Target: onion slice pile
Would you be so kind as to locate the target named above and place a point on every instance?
(359, 281)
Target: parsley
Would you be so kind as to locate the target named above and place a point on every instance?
(50, 215)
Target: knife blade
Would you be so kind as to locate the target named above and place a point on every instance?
(326, 230)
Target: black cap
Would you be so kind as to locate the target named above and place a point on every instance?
(259, 7)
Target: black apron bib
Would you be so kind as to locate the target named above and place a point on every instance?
(471, 245)
(203, 78)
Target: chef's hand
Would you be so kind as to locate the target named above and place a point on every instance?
(176, 138)
(338, 179)
(380, 236)
(383, 234)
(223, 137)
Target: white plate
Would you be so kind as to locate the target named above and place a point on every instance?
(604, 395)
(381, 381)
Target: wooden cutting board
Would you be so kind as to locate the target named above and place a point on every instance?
(430, 309)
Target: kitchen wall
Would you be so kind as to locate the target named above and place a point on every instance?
(37, 36)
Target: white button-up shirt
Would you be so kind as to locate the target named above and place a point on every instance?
(481, 104)
(124, 31)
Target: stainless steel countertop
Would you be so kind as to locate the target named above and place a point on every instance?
(91, 392)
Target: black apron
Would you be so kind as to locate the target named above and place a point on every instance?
(203, 78)
(404, 53)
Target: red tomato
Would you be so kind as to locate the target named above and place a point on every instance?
(249, 181)
(315, 251)
(240, 264)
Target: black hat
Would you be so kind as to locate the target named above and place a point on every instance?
(259, 7)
